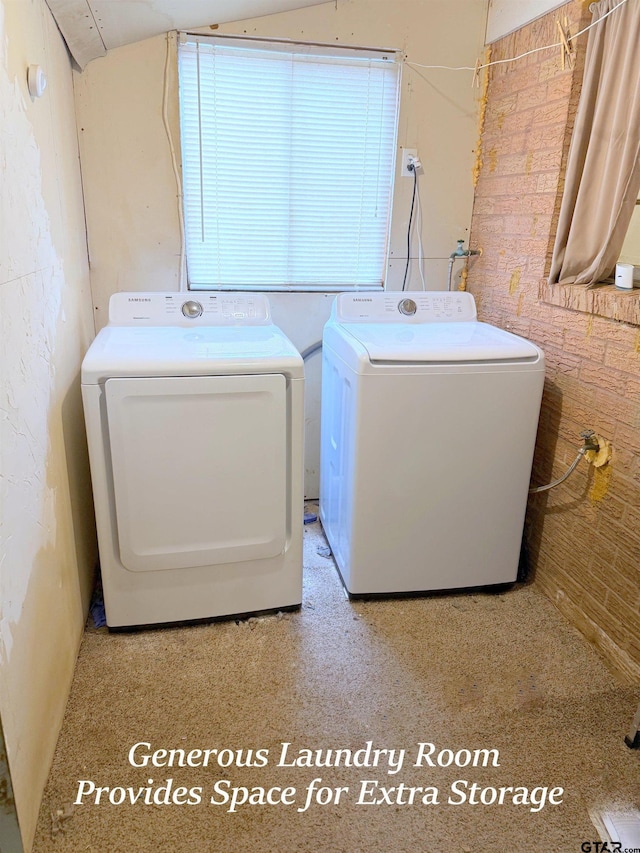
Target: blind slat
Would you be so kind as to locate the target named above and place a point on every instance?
(287, 165)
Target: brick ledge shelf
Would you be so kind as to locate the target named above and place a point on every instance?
(603, 300)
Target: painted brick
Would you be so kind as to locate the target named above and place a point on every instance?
(628, 437)
(563, 362)
(528, 246)
(592, 373)
(566, 582)
(594, 586)
(559, 87)
(550, 114)
(498, 107)
(503, 87)
(632, 518)
(614, 331)
(627, 560)
(545, 334)
(623, 359)
(550, 68)
(536, 266)
(633, 649)
(629, 541)
(627, 614)
(510, 263)
(529, 226)
(515, 122)
(510, 143)
(573, 389)
(632, 388)
(518, 326)
(583, 529)
(550, 159)
(624, 461)
(484, 205)
(514, 164)
(548, 136)
(534, 96)
(516, 246)
(618, 407)
(613, 508)
(586, 532)
(623, 587)
(603, 555)
(625, 488)
(547, 183)
(509, 185)
(489, 225)
(601, 616)
(535, 204)
(584, 345)
(583, 414)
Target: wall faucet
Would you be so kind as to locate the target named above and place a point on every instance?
(460, 252)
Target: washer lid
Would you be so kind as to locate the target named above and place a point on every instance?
(440, 342)
(120, 351)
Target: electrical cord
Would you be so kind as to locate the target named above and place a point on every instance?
(412, 167)
(479, 67)
(420, 249)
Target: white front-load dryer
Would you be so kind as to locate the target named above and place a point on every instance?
(429, 421)
(194, 414)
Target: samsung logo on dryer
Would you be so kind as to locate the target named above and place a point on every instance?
(139, 299)
(362, 299)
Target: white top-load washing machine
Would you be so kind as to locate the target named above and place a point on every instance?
(194, 413)
(429, 420)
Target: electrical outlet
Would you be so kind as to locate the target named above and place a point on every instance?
(405, 172)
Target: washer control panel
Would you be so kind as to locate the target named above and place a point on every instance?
(405, 307)
(183, 309)
(192, 309)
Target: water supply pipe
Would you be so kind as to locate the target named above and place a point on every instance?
(595, 449)
(460, 252)
(310, 350)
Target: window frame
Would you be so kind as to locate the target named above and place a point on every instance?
(329, 51)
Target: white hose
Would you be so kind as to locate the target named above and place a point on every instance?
(451, 261)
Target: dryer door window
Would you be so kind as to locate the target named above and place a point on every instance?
(199, 469)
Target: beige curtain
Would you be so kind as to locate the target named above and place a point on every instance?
(603, 168)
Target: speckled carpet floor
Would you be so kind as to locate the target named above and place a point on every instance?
(478, 679)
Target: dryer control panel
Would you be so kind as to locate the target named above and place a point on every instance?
(416, 306)
(189, 309)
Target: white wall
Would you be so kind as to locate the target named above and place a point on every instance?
(630, 253)
(47, 538)
(130, 188)
(506, 16)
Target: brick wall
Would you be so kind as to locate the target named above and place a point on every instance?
(583, 536)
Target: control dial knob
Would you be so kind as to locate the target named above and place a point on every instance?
(191, 309)
(407, 307)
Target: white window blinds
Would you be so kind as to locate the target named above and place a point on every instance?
(288, 155)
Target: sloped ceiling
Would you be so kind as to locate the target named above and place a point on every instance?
(91, 27)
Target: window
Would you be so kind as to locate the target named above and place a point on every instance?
(288, 155)
(630, 252)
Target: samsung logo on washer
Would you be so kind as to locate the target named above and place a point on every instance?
(362, 299)
(139, 299)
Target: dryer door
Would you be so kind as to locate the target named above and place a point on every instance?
(199, 469)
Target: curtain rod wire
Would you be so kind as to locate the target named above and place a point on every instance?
(476, 68)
